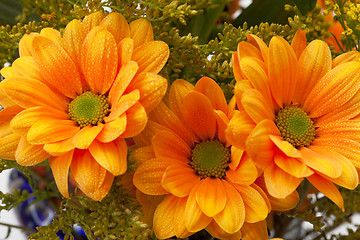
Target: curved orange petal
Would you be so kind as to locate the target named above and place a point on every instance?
(195, 219)
(264, 195)
(103, 190)
(349, 129)
(199, 115)
(101, 62)
(257, 106)
(284, 204)
(259, 145)
(169, 144)
(332, 91)
(117, 25)
(59, 148)
(232, 217)
(73, 37)
(239, 128)
(141, 31)
(124, 104)
(328, 189)
(279, 183)
(112, 129)
(256, 208)
(211, 196)
(88, 174)
(292, 166)
(7, 72)
(285, 147)
(51, 59)
(236, 156)
(178, 91)
(86, 136)
(254, 231)
(318, 160)
(142, 154)
(213, 92)
(144, 138)
(122, 81)
(92, 20)
(8, 144)
(282, 65)
(259, 44)
(8, 113)
(216, 231)
(236, 66)
(136, 121)
(25, 44)
(299, 42)
(32, 93)
(245, 49)
(167, 118)
(125, 51)
(164, 223)
(60, 169)
(26, 67)
(179, 180)
(148, 175)
(245, 174)
(28, 154)
(51, 130)
(152, 88)
(112, 156)
(239, 89)
(151, 56)
(314, 63)
(346, 57)
(52, 34)
(179, 219)
(221, 123)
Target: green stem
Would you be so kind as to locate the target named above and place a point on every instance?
(29, 230)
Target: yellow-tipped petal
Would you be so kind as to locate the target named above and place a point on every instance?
(239, 128)
(28, 154)
(256, 106)
(8, 144)
(164, 224)
(52, 34)
(113, 129)
(86, 136)
(141, 31)
(92, 20)
(25, 44)
(126, 49)
(117, 25)
(299, 42)
(178, 91)
(151, 56)
(74, 35)
(26, 66)
(136, 121)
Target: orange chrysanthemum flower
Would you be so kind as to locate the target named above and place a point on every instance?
(74, 98)
(185, 156)
(296, 114)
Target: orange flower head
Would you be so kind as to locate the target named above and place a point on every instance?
(205, 183)
(296, 114)
(74, 98)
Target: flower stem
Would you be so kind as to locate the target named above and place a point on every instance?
(25, 229)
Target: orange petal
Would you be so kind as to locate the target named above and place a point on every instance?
(245, 174)
(112, 156)
(126, 49)
(256, 208)
(112, 129)
(236, 156)
(292, 166)
(87, 173)
(59, 148)
(124, 104)
(254, 231)
(117, 25)
(136, 121)
(169, 144)
(122, 81)
(299, 42)
(239, 128)
(236, 67)
(28, 154)
(164, 224)
(332, 91)
(141, 31)
(213, 92)
(328, 189)
(211, 196)
(60, 169)
(314, 63)
(281, 70)
(25, 44)
(147, 177)
(53, 35)
(151, 56)
(92, 20)
(318, 160)
(285, 147)
(259, 145)
(179, 180)
(259, 44)
(216, 231)
(142, 154)
(144, 138)
(51, 59)
(340, 129)
(51, 130)
(178, 91)
(239, 89)
(232, 217)
(279, 183)
(7, 72)
(179, 219)
(152, 88)
(195, 219)
(284, 204)
(8, 113)
(245, 49)
(256, 106)
(346, 57)
(86, 136)
(101, 62)
(8, 145)
(199, 115)
(26, 67)
(103, 190)
(73, 37)
(221, 124)
(32, 93)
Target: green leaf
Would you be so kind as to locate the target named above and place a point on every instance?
(305, 6)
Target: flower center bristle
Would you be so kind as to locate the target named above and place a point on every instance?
(295, 126)
(88, 109)
(210, 159)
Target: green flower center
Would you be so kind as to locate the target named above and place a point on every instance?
(295, 126)
(88, 109)
(210, 159)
